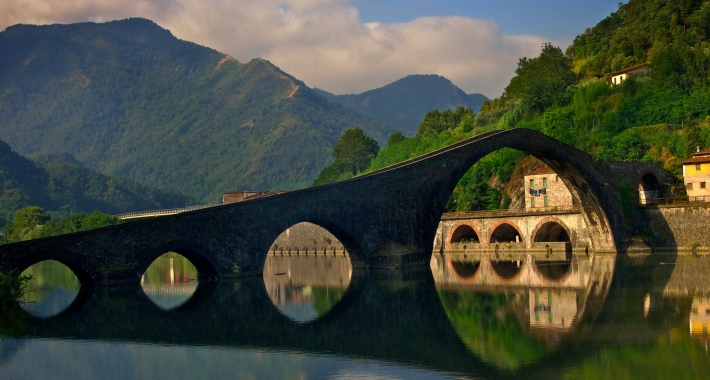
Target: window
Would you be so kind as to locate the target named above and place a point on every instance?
(702, 185)
(689, 186)
(532, 202)
(532, 183)
(545, 200)
(544, 182)
(697, 167)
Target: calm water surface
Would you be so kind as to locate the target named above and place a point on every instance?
(316, 318)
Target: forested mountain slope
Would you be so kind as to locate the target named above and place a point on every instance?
(404, 103)
(659, 116)
(129, 99)
(66, 188)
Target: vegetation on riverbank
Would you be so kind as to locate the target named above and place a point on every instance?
(33, 223)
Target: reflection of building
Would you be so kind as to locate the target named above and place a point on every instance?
(552, 308)
(700, 318)
(696, 174)
(544, 188)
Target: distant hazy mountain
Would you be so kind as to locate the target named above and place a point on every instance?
(63, 186)
(129, 99)
(405, 102)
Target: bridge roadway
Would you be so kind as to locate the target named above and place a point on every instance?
(377, 306)
(385, 219)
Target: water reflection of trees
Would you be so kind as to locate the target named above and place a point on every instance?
(52, 289)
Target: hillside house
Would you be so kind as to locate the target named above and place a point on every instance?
(620, 76)
(696, 175)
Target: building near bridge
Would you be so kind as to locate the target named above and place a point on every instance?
(696, 175)
(544, 188)
(241, 196)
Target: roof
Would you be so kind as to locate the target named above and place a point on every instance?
(697, 160)
(543, 170)
(703, 152)
(626, 70)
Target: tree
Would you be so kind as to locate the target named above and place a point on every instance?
(542, 82)
(353, 153)
(26, 223)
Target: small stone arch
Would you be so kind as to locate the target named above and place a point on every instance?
(351, 245)
(551, 227)
(463, 231)
(504, 229)
(201, 257)
(649, 189)
(76, 263)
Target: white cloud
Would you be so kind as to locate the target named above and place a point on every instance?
(321, 42)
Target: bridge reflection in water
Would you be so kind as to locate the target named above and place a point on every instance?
(438, 320)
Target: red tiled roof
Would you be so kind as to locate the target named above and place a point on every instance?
(703, 152)
(697, 160)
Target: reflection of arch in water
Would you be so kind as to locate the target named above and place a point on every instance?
(505, 231)
(305, 287)
(59, 290)
(464, 232)
(649, 189)
(170, 281)
(465, 270)
(507, 271)
(483, 320)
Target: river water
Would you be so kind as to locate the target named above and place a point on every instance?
(315, 318)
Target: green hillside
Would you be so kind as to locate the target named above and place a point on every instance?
(66, 188)
(404, 103)
(660, 116)
(128, 99)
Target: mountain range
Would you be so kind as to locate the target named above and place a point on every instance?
(60, 185)
(128, 99)
(404, 103)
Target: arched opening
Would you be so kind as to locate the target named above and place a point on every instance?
(465, 269)
(649, 189)
(170, 280)
(307, 271)
(557, 240)
(505, 233)
(52, 289)
(464, 234)
(552, 232)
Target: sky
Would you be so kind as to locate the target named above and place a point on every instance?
(351, 46)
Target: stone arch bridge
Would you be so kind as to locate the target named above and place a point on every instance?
(385, 219)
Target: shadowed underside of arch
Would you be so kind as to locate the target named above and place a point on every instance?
(387, 218)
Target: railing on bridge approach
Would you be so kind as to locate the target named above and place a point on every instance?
(522, 211)
(700, 200)
(171, 211)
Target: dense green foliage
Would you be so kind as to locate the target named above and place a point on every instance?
(129, 99)
(659, 116)
(12, 288)
(33, 223)
(403, 103)
(66, 188)
(353, 153)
